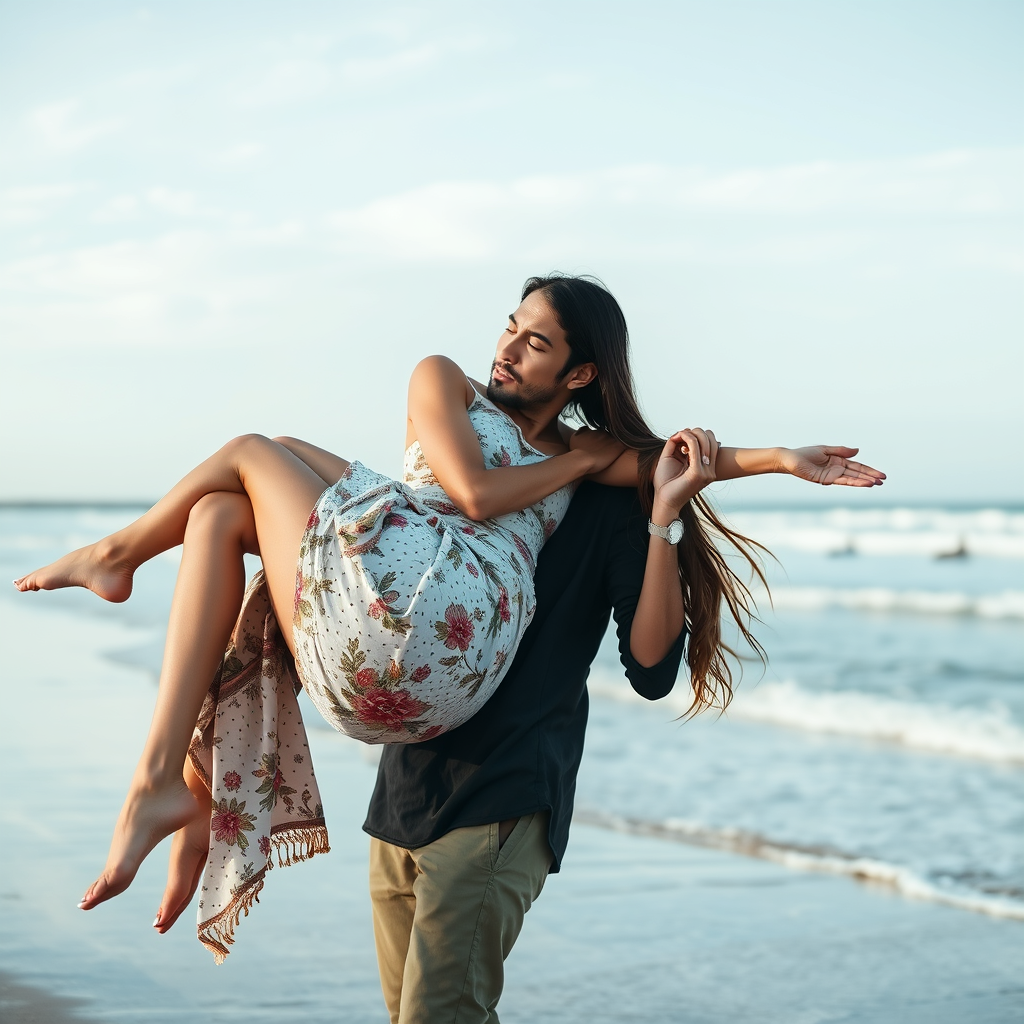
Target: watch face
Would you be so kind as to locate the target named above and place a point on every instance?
(675, 531)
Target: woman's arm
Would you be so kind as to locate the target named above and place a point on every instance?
(818, 464)
(437, 411)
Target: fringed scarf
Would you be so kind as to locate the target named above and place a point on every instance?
(250, 750)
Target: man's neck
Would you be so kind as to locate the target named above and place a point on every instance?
(538, 423)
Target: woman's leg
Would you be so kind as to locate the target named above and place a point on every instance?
(108, 566)
(207, 596)
(189, 849)
(327, 466)
(191, 843)
(263, 506)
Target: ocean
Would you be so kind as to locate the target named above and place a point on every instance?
(885, 737)
(884, 740)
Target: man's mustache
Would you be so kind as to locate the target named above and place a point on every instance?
(506, 369)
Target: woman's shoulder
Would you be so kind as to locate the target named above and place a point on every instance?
(442, 372)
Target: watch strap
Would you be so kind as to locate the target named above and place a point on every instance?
(673, 533)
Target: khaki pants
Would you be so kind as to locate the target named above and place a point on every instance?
(446, 915)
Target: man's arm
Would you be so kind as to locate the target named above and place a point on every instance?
(686, 467)
(818, 464)
(625, 574)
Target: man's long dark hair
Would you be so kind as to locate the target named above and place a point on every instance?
(596, 332)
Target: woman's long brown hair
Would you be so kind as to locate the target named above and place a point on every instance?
(596, 332)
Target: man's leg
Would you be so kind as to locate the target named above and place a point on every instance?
(470, 895)
(392, 876)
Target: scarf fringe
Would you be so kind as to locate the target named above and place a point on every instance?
(296, 843)
(219, 932)
(293, 844)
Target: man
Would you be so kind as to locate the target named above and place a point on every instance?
(467, 826)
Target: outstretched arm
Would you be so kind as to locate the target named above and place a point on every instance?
(438, 398)
(818, 464)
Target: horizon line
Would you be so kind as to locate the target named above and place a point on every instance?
(1003, 504)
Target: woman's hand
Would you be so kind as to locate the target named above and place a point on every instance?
(601, 448)
(686, 466)
(821, 464)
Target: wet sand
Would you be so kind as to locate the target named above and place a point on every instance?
(20, 1004)
(635, 928)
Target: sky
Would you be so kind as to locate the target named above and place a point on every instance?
(217, 219)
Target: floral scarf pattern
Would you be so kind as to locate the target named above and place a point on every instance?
(249, 748)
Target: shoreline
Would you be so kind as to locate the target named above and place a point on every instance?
(22, 1002)
(634, 928)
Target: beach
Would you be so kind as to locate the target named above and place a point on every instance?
(654, 916)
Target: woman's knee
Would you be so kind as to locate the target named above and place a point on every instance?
(247, 443)
(223, 513)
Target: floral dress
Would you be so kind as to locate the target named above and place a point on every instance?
(406, 611)
(406, 615)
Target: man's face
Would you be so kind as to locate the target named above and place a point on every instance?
(531, 354)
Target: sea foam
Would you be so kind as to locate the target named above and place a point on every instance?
(981, 733)
(932, 533)
(1006, 605)
(805, 858)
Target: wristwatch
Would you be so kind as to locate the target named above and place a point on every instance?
(673, 533)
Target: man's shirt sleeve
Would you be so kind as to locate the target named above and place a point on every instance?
(627, 559)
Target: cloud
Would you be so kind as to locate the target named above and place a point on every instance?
(33, 202)
(172, 204)
(797, 213)
(961, 182)
(186, 269)
(372, 70)
(287, 82)
(57, 124)
(176, 202)
(181, 287)
(316, 65)
(241, 153)
(117, 208)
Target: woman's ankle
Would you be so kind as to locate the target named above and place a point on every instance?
(114, 552)
(156, 777)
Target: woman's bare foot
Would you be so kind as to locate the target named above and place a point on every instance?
(97, 567)
(149, 814)
(189, 850)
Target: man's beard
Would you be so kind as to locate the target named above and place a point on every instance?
(526, 396)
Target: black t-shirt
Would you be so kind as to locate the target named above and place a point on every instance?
(520, 753)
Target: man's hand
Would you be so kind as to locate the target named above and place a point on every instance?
(686, 466)
(821, 464)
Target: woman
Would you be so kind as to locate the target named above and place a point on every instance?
(421, 589)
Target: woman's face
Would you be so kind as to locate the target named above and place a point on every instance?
(530, 357)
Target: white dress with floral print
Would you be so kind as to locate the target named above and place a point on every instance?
(406, 611)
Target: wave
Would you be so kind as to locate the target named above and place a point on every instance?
(930, 544)
(987, 735)
(900, 519)
(934, 533)
(821, 859)
(1007, 605)
(982, 734)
